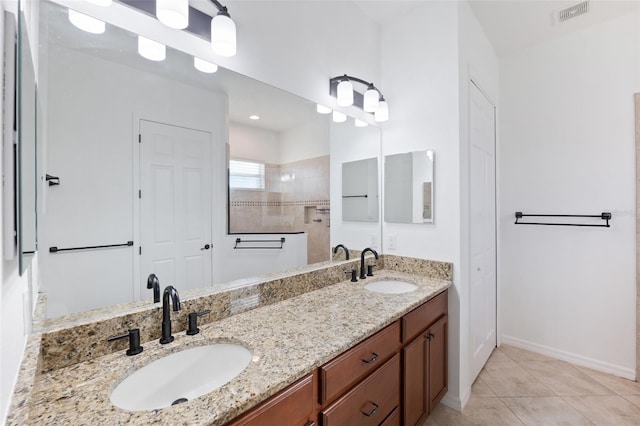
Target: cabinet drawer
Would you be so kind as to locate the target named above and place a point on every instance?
(423, 316)
(344, 371)
(392, 419)
(294, 406)
(370, 402)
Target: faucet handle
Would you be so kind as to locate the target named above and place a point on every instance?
(134, 341)
(193, 322)
(370, 270)
(354, 275)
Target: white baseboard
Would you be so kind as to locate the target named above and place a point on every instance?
(605, 367)
(455, 402)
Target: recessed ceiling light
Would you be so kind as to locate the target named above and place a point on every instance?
(360, 123)
(254, 117)
(339, 117)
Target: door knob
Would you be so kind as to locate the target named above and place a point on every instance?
(206, 247)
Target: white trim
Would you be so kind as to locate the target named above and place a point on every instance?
(570, 357)
(135, 279)
(458, 404)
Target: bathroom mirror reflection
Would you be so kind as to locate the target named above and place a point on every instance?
(360, 190)
(26, 150)
(125, 135)
(408, 187)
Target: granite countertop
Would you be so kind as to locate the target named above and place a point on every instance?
(288, 340)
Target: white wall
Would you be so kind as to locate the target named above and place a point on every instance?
(253, 143)
(420, 82)
(94, 157)
(305, 141)
(567, 146)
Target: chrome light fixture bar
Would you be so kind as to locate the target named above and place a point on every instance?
(371, 100)
(219, 30)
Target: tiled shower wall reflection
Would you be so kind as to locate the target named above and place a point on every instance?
(295, 199)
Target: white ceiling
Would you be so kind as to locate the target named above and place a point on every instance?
(512, 25)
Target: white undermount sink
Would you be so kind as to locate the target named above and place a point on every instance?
(181, 376)
(391, 287)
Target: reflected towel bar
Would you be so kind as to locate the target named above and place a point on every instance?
(604, 216)
(355, 196)
(240, 241)
(56, 249)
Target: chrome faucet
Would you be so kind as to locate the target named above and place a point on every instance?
(169, 293)
(362, 272)
(346, 250)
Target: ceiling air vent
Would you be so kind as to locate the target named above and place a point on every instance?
(573, 11)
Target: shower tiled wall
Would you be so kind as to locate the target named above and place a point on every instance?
(295, 199)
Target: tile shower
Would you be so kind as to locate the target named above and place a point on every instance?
(295, 199)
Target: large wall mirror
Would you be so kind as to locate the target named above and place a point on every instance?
(408, 187)
(143, 151)
(26, 149)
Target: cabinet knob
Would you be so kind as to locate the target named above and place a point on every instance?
(310, 423)
(430, 336)
(374, 357)
(372, 411)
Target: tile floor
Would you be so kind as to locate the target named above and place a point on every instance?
(518, 387)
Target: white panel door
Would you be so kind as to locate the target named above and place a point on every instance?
(482, 297)
(175, 205)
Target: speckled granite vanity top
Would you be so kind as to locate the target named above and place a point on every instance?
(288, 339)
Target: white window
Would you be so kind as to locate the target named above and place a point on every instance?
(246, 175)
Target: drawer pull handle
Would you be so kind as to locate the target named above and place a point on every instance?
(372, 411)
(372, 359)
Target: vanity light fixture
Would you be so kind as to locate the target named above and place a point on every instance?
(86, 23)
(372, 101)
(345, 93)
(339, 117)
(321, 109)
(220, 29)
(151, 49)
(204, 66)
(223, 32)
(173, 13)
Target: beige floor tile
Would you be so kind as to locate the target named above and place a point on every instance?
(499, 356)
(508, 379)
(606, 410)
(480, 389)
(478, 412)
(635, 399)
(518, 355)
(545, 411)
(617, 384)
(564, 379)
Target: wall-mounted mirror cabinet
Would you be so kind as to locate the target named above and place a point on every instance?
(125, 134)
(408, 187)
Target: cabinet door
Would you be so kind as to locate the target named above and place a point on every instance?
(294, 406)
(414, 390)
(437, 361)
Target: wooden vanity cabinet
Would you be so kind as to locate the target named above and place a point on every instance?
(397, 376)
(294, 406)
(424, 371)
